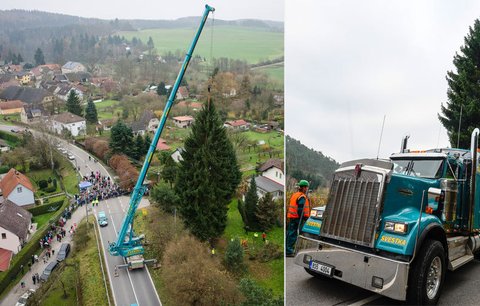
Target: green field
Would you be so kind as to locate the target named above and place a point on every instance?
(275, 72)
(107, 109)
(245, 43)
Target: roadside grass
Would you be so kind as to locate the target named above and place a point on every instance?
(230, 42)
(69, 176)
(81, 273)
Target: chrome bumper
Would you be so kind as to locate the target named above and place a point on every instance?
(357, 268)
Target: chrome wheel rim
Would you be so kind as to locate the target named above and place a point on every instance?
(434, 277)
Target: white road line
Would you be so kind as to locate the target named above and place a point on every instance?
(151, 280)
(106, 262)
(366, 300)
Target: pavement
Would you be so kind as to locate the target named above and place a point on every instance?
(12, 297)
(460, 288)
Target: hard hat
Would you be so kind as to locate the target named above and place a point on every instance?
(303, 183)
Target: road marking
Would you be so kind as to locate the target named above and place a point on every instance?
(106, 262)
(366, 300)
(148, 272)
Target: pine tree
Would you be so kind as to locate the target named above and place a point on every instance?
(138, 148)
(266, 213)
(251, 201)
(91, 113)
(146, 144)
(161, 90)
(463, 91)
(169, 171)
(73, 103)
(208, 176)
(39, 58)
(121, 138)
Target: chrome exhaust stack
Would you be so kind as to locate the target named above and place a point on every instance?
(473, 153)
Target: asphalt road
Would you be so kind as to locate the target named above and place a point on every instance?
(129, 287)
(461, 288)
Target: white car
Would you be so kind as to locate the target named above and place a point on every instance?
(22, 301)
(70, 156)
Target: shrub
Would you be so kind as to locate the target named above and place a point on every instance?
(126, 172)
(42, 209)
(234, 257)
(4, 169)
(192, 276)
(269, 251)
(42, 184)
(50, 189)
(256, 295)
(165, 197)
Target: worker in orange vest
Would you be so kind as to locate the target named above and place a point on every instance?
(298, 211)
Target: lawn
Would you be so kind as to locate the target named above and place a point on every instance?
(37, 175)
(70, 177)
(268, 275)
(7, 119)
(43, 219)
(108, 109)
(228, 41)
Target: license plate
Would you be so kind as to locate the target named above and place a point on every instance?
(321, 268)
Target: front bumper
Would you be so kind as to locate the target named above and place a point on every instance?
(357, 268)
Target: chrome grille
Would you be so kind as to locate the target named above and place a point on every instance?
(353, 207)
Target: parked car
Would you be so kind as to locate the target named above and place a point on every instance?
(48, 270)
(63, 252)
(102, 219)
(22, 301)
(71, 156)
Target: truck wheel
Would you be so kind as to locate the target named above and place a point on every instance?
(427, 275)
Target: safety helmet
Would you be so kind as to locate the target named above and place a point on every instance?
(303, 183)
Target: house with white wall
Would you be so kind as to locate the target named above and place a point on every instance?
(183, 121)
(71, 122)
(15, 225)
(17, 188)
(272, 179)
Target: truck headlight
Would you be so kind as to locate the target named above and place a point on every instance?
(313, 213)
(396, 227)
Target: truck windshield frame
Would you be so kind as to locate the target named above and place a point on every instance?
(432, 168)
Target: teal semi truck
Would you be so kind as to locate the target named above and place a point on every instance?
(396, 226)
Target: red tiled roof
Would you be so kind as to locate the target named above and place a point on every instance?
(11, 104)
(162, 145)
(239, 122)
(12, 179)
(190, 104)
(183, 118)
(5, 258)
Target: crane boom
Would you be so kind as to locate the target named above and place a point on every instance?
(127, 243)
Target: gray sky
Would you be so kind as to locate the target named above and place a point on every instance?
(349, 63)
(147, 9)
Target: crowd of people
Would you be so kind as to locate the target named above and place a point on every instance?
(102, 188)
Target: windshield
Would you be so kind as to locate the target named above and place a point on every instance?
(427, 168)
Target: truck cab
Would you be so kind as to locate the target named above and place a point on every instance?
(396, 226)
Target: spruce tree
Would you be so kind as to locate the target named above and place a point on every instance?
(463, 91)
(91, 113)
(73, 103)
(169, 171)
(39, 57)
(138, 148)
(266, 213)
(251, 201)
(146, 144)
(208, 176)
(121, 138)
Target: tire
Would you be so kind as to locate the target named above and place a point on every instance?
(429, 267)
(314, 274)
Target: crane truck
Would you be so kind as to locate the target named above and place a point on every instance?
(129, 245)
(396, 226)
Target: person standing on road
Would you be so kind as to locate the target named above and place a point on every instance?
(298, 211)
(34, 279)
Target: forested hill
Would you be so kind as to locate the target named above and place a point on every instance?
(308, 164)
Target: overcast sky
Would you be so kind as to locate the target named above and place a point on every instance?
(349, 63)
(147, 9)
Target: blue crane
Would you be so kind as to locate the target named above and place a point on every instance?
(128, 245)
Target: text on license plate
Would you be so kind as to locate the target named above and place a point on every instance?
(321, 268)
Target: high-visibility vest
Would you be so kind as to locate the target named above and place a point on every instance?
(293, 206)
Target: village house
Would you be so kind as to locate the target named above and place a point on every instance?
(177, 154)
(30, 115)
(73, 67)
(195, 106)
(162, 145)
(182, 93)
(183, 121)
(237, 124)
(147, 123)
(76, 125)
(15, 225)
(24, 77)
(7, 80)
(271, 179)
(17, 188)
(11, 107)
(47, 70)
(32, 96)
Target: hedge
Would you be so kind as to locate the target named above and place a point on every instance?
(25, 255)
(9, 137)
(42, 209)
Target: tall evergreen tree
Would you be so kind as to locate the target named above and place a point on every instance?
(208, 176)
(266, 213)
(139, 147)
(169, 171)
(251, 201)
(39, 57)
(463, 91)
(146, 144)
(91, 114)
(73, 104)
(121, 138)
(161, 90)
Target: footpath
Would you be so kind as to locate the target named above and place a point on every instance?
(12, 297)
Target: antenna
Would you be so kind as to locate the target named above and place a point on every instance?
(381, 135)
(459, 126)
